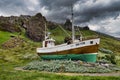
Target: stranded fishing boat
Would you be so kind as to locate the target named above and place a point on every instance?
(75, 49)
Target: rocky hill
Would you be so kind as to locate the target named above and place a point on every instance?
(33, 25)
(68, 24)
(118, 39)
(9, 24)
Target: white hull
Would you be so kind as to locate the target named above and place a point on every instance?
(66, 47)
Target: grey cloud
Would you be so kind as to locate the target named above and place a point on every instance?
(99, 10)
(57, 4)
(14, 7)
(10, 7)
(58, 10)
(87, 12)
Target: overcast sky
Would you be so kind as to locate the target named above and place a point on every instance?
(99, 15)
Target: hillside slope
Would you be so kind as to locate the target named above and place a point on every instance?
(25, 52)
(58, 34)
(34, 26)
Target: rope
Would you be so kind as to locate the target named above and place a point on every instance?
(80, 33)
(65, 31)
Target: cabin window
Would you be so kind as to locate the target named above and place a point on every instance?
(91, 42)
(82, 43)
(77, 44)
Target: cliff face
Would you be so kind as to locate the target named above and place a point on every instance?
(68, 25)
(9, 24)
(35, 27)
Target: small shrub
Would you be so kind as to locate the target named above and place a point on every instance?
(111, 58)
(69, 66)
(105, 51)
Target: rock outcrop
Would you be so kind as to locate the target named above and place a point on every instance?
(51, 25)
(9, 24)
(68, 25)
(86, 28)
(9, 27)
(35, 27)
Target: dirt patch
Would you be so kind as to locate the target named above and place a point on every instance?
(75, 74)
(91, 74)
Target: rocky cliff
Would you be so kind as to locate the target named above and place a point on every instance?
(9, 24)
(68, 25)
(33, 25)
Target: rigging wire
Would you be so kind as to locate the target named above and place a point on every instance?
(65, 31)
(81, 36)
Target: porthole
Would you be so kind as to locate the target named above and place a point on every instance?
(91, 42)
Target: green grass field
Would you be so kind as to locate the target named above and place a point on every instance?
(21, 55)
(4, 36)
(9, 73)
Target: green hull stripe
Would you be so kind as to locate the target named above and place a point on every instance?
(82, 57)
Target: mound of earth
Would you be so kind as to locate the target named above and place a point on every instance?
(13, 42)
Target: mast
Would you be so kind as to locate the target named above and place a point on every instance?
(73, 29)
(45, 31)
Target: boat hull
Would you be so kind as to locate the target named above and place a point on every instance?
(91, 57)
(80, 50)
(84, 50)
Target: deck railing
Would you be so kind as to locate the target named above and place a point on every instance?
(89, 37)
